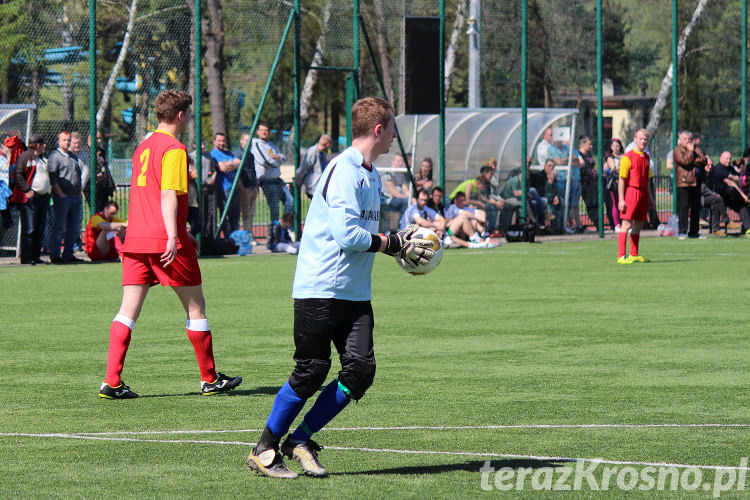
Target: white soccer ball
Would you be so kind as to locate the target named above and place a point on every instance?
(437, 246)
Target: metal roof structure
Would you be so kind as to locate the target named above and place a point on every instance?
(472, 135)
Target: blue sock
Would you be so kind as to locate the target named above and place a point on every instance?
(333, 398)
(285, 408)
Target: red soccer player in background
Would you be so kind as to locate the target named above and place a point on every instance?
(158, 248)
(634, 197)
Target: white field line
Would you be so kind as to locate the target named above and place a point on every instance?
(436, 428)
(385, 450)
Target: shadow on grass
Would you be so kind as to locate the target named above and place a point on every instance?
(237, 392)
(471, 466)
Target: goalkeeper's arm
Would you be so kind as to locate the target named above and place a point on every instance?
(404, 245)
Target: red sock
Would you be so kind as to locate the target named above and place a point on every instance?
(622, 238)
(119, 340)
(634, 239)
(201, 340)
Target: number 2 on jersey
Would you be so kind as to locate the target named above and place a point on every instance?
(141, 181)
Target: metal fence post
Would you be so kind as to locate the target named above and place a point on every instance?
(600, 166)
(92, 105)
(197, 116)
(674, 102)
(524, 60)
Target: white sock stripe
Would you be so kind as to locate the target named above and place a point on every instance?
(125, 321)
(197, 325)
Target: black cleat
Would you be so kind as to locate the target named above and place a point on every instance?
(221, 384)
(307, 456)
(270, 463)
(122, 391)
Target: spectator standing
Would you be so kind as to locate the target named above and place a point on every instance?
(635, 195)
(31, 194)
(6, 220)
(105, 184)
(268, 159)
(554, 199)
(65, 178)
(612, 173)
(689, 161)
(209, 172)
(227, 164)
(589, 178)
(248, 184)
(313, 165)
(559, 154)
(193, 216)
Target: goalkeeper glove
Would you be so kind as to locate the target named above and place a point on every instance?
(415, 251)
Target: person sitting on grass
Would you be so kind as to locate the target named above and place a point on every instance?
(464, 225)
(281, 238)
(422, 215)
(105, 234)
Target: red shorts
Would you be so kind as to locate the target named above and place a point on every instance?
(114, 251)
(145, 269)
(636, 205)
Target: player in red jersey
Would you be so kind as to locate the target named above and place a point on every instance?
(158, 248)
(634, 197)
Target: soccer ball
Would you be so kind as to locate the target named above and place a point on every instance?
(437, 246)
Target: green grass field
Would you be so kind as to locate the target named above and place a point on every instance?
(522, 335)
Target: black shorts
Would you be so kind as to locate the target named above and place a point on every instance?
(318, 322)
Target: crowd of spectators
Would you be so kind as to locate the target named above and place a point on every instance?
(47, 187)
(705, 190)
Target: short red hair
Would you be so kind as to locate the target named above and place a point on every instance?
(369, 112)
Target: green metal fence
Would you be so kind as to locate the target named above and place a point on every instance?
(143, 47)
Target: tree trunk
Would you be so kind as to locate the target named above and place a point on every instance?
(666, 84)
(312, 75)
(215, 68)
(110, 85)
(450, 53)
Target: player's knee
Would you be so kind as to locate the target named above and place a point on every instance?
(357, 376)
(308, 376)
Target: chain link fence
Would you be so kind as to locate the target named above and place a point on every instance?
(45, 63)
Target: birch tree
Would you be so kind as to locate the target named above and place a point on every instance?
(450, 53)
(657, 112)
(110, 85)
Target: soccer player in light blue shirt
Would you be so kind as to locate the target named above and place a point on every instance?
(332, 293)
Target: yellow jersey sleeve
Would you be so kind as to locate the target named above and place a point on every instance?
(624, 167)
(174, 172)
(96, 220)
